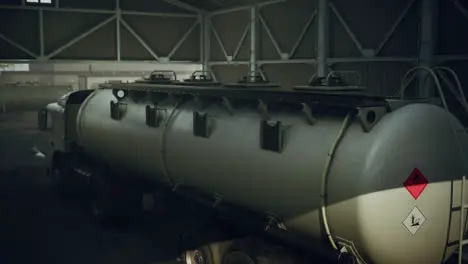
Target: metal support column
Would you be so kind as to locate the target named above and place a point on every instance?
(202, 40)
(41, 33)
(205, 41)
(118, 16)
(253, 40)
(427, 43)
(322, 38)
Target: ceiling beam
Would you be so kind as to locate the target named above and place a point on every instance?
(185, 6)
(244, 7)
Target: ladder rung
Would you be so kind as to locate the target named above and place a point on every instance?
(453, 243)
(457, 208)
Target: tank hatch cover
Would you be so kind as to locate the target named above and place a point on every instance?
(200, 78)
(159, 77)
(330, 83)
(253, 80)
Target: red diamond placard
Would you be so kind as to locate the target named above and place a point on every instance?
(416, 183)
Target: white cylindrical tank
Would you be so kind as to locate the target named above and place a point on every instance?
(368, 210)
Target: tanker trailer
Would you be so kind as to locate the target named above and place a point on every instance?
(376, 177)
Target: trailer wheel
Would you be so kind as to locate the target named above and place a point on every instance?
(257, 251)
(59, 174)
(56, 178)
(242, 252)
(238, 257)
(107, 202)
(198, 256)
(100, 212)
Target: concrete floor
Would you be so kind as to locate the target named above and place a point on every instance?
(38, 227)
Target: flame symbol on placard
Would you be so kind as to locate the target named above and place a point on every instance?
(414, 221)
(416, 179)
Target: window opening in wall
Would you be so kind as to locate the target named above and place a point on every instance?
(14, 67)
(46, 2)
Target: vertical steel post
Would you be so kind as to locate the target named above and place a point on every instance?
(41, 33)
(427, 44)
(206, 41)
(253, 41)
(322, 38)
(118, 15)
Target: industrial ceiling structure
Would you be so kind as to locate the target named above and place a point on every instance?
(288, 41)
(213, 5)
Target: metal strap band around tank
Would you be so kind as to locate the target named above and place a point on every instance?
(80, 112)
(325, 172)
(162, 149)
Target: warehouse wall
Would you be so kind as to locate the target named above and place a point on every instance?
(46, 82)
(29, 97)
(369, 22)
(97, 72)
(62, 26)
(119, 67)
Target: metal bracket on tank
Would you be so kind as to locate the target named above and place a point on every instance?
(117, 109)
(271, 136)
(347, 248)
(273, 221)
(200, 124)
(263, 108)
(370, 116)
(308, 112)
(153, 116)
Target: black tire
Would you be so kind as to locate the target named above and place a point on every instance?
(100, 211)
(59, 175)
(255, 251)
(105, 208)
(201, 255)
(238, 257)
(241, 252)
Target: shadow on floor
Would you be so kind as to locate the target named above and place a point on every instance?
(38, 227)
